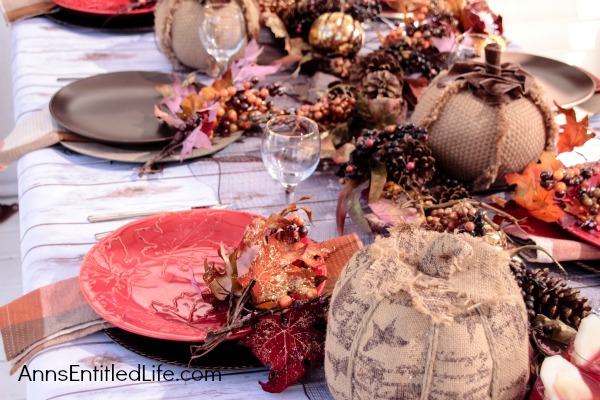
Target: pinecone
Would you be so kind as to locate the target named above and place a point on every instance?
(443, 193)
(381, 84)
(279, 7)
(408, 162)
(376, 61)
(549, 296)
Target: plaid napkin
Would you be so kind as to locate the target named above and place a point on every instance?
(51, 315)
(15, 10)
(562, 245)
(59, 313)
(36, 132)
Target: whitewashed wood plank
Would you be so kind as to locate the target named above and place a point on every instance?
(95, 350)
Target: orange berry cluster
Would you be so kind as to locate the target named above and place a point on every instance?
(329, 109)
(576, 188)
(241, 109)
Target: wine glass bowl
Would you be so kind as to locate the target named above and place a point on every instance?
(291, 149)
(222, 31)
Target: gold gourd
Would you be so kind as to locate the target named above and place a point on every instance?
(336, 33)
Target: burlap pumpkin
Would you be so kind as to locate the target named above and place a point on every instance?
(176, 24)
(427, 315)
(483, 126)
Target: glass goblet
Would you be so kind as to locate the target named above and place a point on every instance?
(470, 46)
(291, 150)
(222, 31)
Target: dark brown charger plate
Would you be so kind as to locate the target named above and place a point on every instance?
(116, 107)
(563, 83)
(227, 355)
(134, 23)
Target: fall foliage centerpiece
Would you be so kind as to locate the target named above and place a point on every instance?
(486, 120)
(272, 286)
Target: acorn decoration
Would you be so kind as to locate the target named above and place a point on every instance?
(336, 33)
(486, 120)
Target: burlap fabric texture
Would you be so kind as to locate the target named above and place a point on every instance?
(426, 315)
(176, 24)
(479, 142)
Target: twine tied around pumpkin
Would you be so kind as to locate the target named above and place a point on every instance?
(491, 81)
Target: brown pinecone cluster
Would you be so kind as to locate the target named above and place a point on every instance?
(549, 296)
(279, 7)
(376, 61)
(409, 162)
(378, 74)
(443, 194)
(381, 84)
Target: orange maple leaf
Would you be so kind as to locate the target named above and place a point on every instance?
(190, 105)
(530, 195)
(572, 134)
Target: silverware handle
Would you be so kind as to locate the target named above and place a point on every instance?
(125, 215)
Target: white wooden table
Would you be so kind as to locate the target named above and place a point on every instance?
(59, 189)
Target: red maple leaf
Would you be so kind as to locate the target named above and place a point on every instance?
(572, 134)
(291, 343)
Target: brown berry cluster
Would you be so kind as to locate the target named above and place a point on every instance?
(293, 232)
(577, 189)
(340, 66)
(332, 108)
(241, 109)
(459, 218)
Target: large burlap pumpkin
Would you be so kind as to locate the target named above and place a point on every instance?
(485, 122)
(176, 24)
(427, 315)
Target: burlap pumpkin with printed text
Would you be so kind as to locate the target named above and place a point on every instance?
(427, 315)
(482, 127)
(176, 24)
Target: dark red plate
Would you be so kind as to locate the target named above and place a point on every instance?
(106, 7)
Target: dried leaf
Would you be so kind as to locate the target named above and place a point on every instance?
(355, 209)
(573, 134)
(378, 179)
(169, 119)
(393, 214)
(291, 343)
(275, 24)
(342, 205)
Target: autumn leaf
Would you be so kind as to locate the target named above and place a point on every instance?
(572, 134)
(291, 343)
(530, 195)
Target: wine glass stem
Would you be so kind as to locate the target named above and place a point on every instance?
(289, 193)
(222, 63)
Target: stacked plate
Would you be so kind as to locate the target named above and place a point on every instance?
(112, 15)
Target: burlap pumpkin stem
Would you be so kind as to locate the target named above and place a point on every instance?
(176, 24)
(486, 120)
(427, 315)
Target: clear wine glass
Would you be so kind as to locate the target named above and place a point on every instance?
(222, 31)
(291, 150)
(471, 46)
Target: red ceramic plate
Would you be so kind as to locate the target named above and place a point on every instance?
(139, 278)
(106, 7)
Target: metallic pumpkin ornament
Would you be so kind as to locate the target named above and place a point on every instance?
(336, 33)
